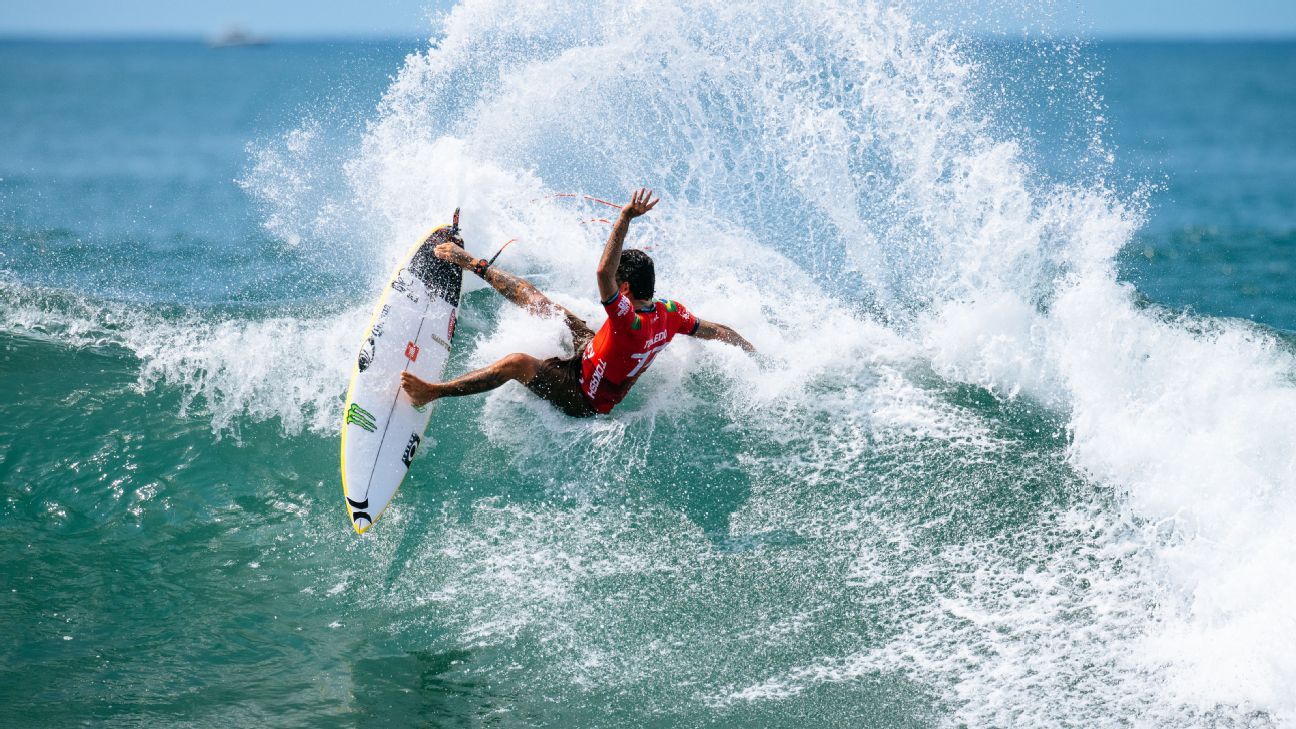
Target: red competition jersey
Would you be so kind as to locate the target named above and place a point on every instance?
(626, 344)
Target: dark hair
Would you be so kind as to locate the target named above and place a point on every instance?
(636, 269)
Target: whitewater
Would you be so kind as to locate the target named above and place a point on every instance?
(972, 477)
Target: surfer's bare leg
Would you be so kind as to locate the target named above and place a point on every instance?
(518, 366)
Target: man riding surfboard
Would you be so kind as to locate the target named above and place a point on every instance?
(606, 364)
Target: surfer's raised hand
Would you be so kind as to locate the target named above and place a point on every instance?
(454, 254)
(640, 203)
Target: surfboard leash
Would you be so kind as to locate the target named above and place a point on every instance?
(482, 264)
(583, 196)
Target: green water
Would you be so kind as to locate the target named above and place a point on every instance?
(177, 577)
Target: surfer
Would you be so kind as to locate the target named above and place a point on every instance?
(606, 364)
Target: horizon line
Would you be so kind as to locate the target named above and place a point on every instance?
(271, 39)
(128, 37)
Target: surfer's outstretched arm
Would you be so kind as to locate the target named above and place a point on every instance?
(514, 288)
(720, 332)
(639, 204)
(518, 366)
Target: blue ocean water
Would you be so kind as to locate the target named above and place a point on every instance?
(1016, 451)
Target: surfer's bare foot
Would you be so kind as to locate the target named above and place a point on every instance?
(421, 392)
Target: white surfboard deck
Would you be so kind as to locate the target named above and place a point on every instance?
(411, 329)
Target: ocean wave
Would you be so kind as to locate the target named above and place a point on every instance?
(288, 369)
(834, 189)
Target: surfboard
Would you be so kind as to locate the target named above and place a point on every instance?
(412, 328)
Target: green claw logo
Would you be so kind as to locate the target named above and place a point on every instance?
(361, 417)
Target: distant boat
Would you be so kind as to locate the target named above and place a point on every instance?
(234, 37)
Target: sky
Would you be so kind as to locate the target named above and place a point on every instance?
(412, 18)
(271, 18)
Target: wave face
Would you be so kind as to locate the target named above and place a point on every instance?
(971, 479)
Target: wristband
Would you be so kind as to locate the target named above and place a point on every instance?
(480, 267)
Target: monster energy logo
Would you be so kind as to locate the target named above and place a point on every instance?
(361, 417)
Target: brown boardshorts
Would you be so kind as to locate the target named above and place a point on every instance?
(559, 378)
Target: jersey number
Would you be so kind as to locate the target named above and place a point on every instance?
(645, 359)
